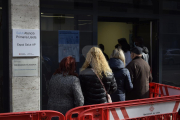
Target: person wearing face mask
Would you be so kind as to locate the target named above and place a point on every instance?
(140, 75)
(126, 49)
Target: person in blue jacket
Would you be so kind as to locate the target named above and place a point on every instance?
(121, 74)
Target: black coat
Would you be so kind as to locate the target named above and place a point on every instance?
(123, 79)
(92, 89)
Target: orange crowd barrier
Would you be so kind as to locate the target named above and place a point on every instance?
(160, 90)
(155, 90)
(162, 104)
(32, 115)
(135, 109)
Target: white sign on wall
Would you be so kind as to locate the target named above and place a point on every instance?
(25, 67)
(26, 42)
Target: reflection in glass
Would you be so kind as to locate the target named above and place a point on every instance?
(67, 4)
(171, 52)
(129, 6)
(50, 25)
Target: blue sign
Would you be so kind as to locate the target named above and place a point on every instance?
(68, 36)
(68, 44)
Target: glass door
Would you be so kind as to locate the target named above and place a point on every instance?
(147, 31)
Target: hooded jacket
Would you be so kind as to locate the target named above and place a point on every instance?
(92, 88)
(123, 79)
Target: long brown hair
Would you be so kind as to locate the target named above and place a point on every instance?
(67, 66)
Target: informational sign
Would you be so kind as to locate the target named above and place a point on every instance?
(25, 42)
(25, 67)
(68, 44)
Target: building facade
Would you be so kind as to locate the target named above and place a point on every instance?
(95, 22)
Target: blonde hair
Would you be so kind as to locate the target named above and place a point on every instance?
(119, 54)
(98, 62)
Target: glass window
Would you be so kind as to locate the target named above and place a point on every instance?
(67, 4)
(171, 61)
(175, 52)
(171, 7)
(50, 25)
(129, 6)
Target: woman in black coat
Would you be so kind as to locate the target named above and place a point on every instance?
(92, 89)
(122, 75)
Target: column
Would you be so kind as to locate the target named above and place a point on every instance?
(24, 91)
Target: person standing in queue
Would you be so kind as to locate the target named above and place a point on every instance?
(96, 66)
(64, 88)
(101, 46)
(121, 74)
(138, 41)
(140, 75)
(126, 49)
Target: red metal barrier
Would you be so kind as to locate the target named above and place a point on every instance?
(151, 108)
(80, 109)
(154, 90)
(32, 115)
(162, 105)
(160, 90)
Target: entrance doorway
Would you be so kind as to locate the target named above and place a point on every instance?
(110, 29)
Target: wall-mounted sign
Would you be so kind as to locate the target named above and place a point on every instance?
(25, 42)
(25, 67)
(68, 44)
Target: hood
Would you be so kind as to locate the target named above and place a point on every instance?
(115, 63)
(145, 50)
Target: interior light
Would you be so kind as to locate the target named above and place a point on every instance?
(84, 20)
(82, 24)
(0, 7)
(58, 16)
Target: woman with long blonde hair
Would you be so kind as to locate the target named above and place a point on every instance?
(121, 74)
(96, 66)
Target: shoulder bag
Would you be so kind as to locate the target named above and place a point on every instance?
(107, 95)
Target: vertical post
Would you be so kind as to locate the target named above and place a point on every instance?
(5, 32)
(151, 42)
(95, 22)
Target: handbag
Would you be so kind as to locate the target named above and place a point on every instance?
(107, 95)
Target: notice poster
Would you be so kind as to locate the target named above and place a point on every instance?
(25, 42)
(68, 44)
(25, 67)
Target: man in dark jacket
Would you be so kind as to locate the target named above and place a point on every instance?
(140, 75)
